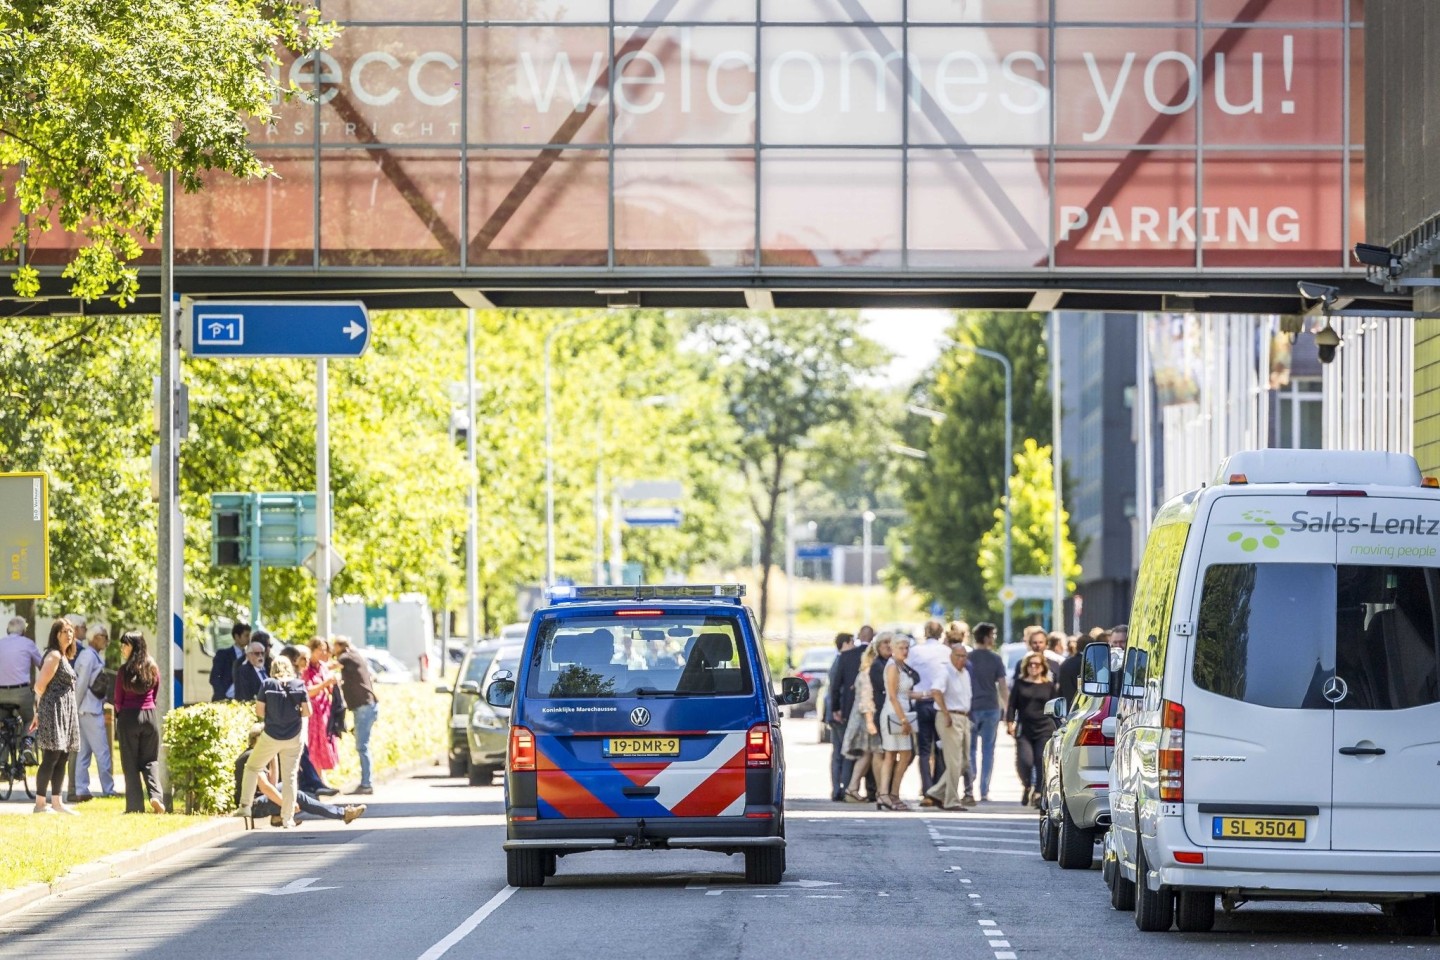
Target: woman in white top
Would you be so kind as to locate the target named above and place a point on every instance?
(897, 726)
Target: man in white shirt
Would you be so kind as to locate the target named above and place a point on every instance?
(94, 742)
(928, 658)
(952, 702)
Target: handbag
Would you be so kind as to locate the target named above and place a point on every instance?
(338, 709)
(103, 686)
(895, 726)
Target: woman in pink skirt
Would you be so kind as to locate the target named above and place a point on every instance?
(319, 680)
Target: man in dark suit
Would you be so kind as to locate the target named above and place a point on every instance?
(250, 672)
(222, 668)
(840, 700)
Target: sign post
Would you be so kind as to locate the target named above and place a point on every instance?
(297, 328)
(24, 537)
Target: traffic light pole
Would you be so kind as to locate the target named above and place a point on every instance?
(255, 521)
(167, 562)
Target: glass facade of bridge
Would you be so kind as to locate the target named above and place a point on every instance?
(973, 137)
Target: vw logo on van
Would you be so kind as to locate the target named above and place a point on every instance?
(1335, 690)
(640, 717)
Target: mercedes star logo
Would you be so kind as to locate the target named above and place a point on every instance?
(640, 717)
(1335, 690)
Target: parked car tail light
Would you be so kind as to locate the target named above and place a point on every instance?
(1092, 736)
(759, 750)
(1193, 857)
(522, 750)
(1172, 752)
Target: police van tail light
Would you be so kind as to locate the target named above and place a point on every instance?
(1172, 752)
(522, 750)
(759, 748)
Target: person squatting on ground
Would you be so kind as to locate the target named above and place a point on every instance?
(266, 803)
(57, 719)
(284, 707)
(136, 726)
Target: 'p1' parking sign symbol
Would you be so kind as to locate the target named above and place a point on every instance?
(221, 329)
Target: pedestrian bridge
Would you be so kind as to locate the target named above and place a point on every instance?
(1003, 154)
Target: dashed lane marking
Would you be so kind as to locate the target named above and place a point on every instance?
(1003, 853)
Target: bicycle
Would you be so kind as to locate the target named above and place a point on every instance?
(17, 751)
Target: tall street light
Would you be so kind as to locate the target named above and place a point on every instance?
(549, 444)
(1009, 452)
(866, 519)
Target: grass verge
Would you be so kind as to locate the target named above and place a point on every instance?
(43, 849)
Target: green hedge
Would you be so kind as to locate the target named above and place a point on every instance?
(202, 742)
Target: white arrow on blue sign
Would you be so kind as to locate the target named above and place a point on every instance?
(271, 328)
(652, 516)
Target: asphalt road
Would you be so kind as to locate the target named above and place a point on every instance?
(422, 876)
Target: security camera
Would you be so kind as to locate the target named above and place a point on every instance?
(1315, 296)
(1327, 341)
(1373, 255)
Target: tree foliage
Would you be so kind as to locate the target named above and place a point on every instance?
(97, 96)
(951, 497)
(786, 375)
(1032, 520)
(630, 397)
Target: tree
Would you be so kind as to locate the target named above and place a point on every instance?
(786, 375)
(1032, 516)
(97, 96)
(951, 497)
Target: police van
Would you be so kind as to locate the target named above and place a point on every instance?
(643, 718)
(1279, 735)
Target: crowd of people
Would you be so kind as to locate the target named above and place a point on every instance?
(938, 703)
(304, 698)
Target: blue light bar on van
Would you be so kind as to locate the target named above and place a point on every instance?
(650, 591)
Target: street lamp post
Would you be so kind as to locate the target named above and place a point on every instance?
(549, 445)
(866, 564)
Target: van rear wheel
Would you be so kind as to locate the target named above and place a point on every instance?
(1154, 909)
(764, 865)
(1077, 847)
(1417, 917)
(525, 868)
(1195, 911)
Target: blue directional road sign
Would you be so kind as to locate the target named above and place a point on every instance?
(652, 516)
(273, 328)
(814, 551)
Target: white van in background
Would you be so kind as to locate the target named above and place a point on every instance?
(1280, 735)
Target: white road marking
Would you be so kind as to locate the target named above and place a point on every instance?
(936, 830)
(294, 886)
(470, 923)
(1007, 853)
(999, 943)
(975, 896)
(987, 923)
(1004, 955)
(989, 839)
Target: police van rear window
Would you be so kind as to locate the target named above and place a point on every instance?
(671, 655)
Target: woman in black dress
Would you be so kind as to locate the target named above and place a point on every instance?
(57, 718)
(1028, 697)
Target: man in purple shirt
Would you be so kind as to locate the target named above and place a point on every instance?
(19, 660)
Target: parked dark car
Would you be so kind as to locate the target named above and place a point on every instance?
(814, 669)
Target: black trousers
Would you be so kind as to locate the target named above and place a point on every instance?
(265, 807)
(50, 777)
(927, 739)
(139, 737)
(1030, 758)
